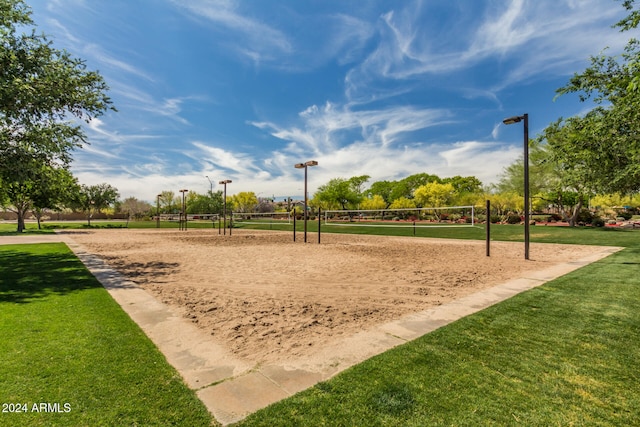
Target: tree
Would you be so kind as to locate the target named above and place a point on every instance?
(94, 198)
(464, 184)
(134, 208)
(412, 182)
(357, 182)
(33, 184)
(245, 201)
(55, 191)
(606, 139)
(169, 203)
(40, 89)
(571, 148)
(204, 203)
(374, 203)
(383, 189)
(504, 203)
(434, 195)
(403, 203)
(340, 192)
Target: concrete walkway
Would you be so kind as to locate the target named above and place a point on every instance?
(232, 388)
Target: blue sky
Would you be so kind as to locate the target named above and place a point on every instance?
(243, 90)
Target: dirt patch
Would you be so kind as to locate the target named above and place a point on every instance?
(269, 299)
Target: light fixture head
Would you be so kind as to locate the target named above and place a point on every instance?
(512, 120)
(299, 165)
(226, 181)
(311, 163)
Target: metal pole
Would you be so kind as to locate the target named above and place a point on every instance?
(224, 201)
(158, 211)
(294, 225)
(488, 228)
(305, 202)
(319, 223)
(526, 186)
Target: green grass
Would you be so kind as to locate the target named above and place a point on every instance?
(515, 233)
(9, 228)
(64, 340)
(562, 354)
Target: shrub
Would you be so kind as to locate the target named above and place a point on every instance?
(513, 219)
(495, 219)
(626, 215)
(454, 217)
(597, 222)
(554, 217)
(585, 216)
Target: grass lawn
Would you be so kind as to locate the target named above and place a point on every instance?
(515, 233)
(562, 354)
(67, 344)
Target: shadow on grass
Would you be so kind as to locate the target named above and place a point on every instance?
(28, 275)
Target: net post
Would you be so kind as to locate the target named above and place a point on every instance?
(488, 228)
(294, 225)
(473, 215)
(319, 222)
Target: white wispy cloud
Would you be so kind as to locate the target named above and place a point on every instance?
(264, 39)
(540, 38)
(231, 162)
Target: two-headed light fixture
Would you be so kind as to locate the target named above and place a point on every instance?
(304, 166)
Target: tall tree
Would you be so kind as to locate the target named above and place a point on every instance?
(94, 198)
(374, 203)
(41, 88)
(607, 138)
(383, 189)
(245, 201)
(204, 203)
(434, 195)
(134, 208)
(338, 192)
(169, 203)
(55, 190)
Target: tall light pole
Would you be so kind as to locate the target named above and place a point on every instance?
(224, 201)
(305, 167)
(210, 184)
(508, 121)
(158, 210)
(184, 210)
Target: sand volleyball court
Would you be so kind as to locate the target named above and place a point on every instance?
(269, 299)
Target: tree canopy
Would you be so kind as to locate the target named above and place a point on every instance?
(92, 199)
(45, 94)
(605, 141)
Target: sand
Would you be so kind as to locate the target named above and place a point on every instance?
(269, 299)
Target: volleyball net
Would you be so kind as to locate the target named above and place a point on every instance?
(449, 216)
(261, 218)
